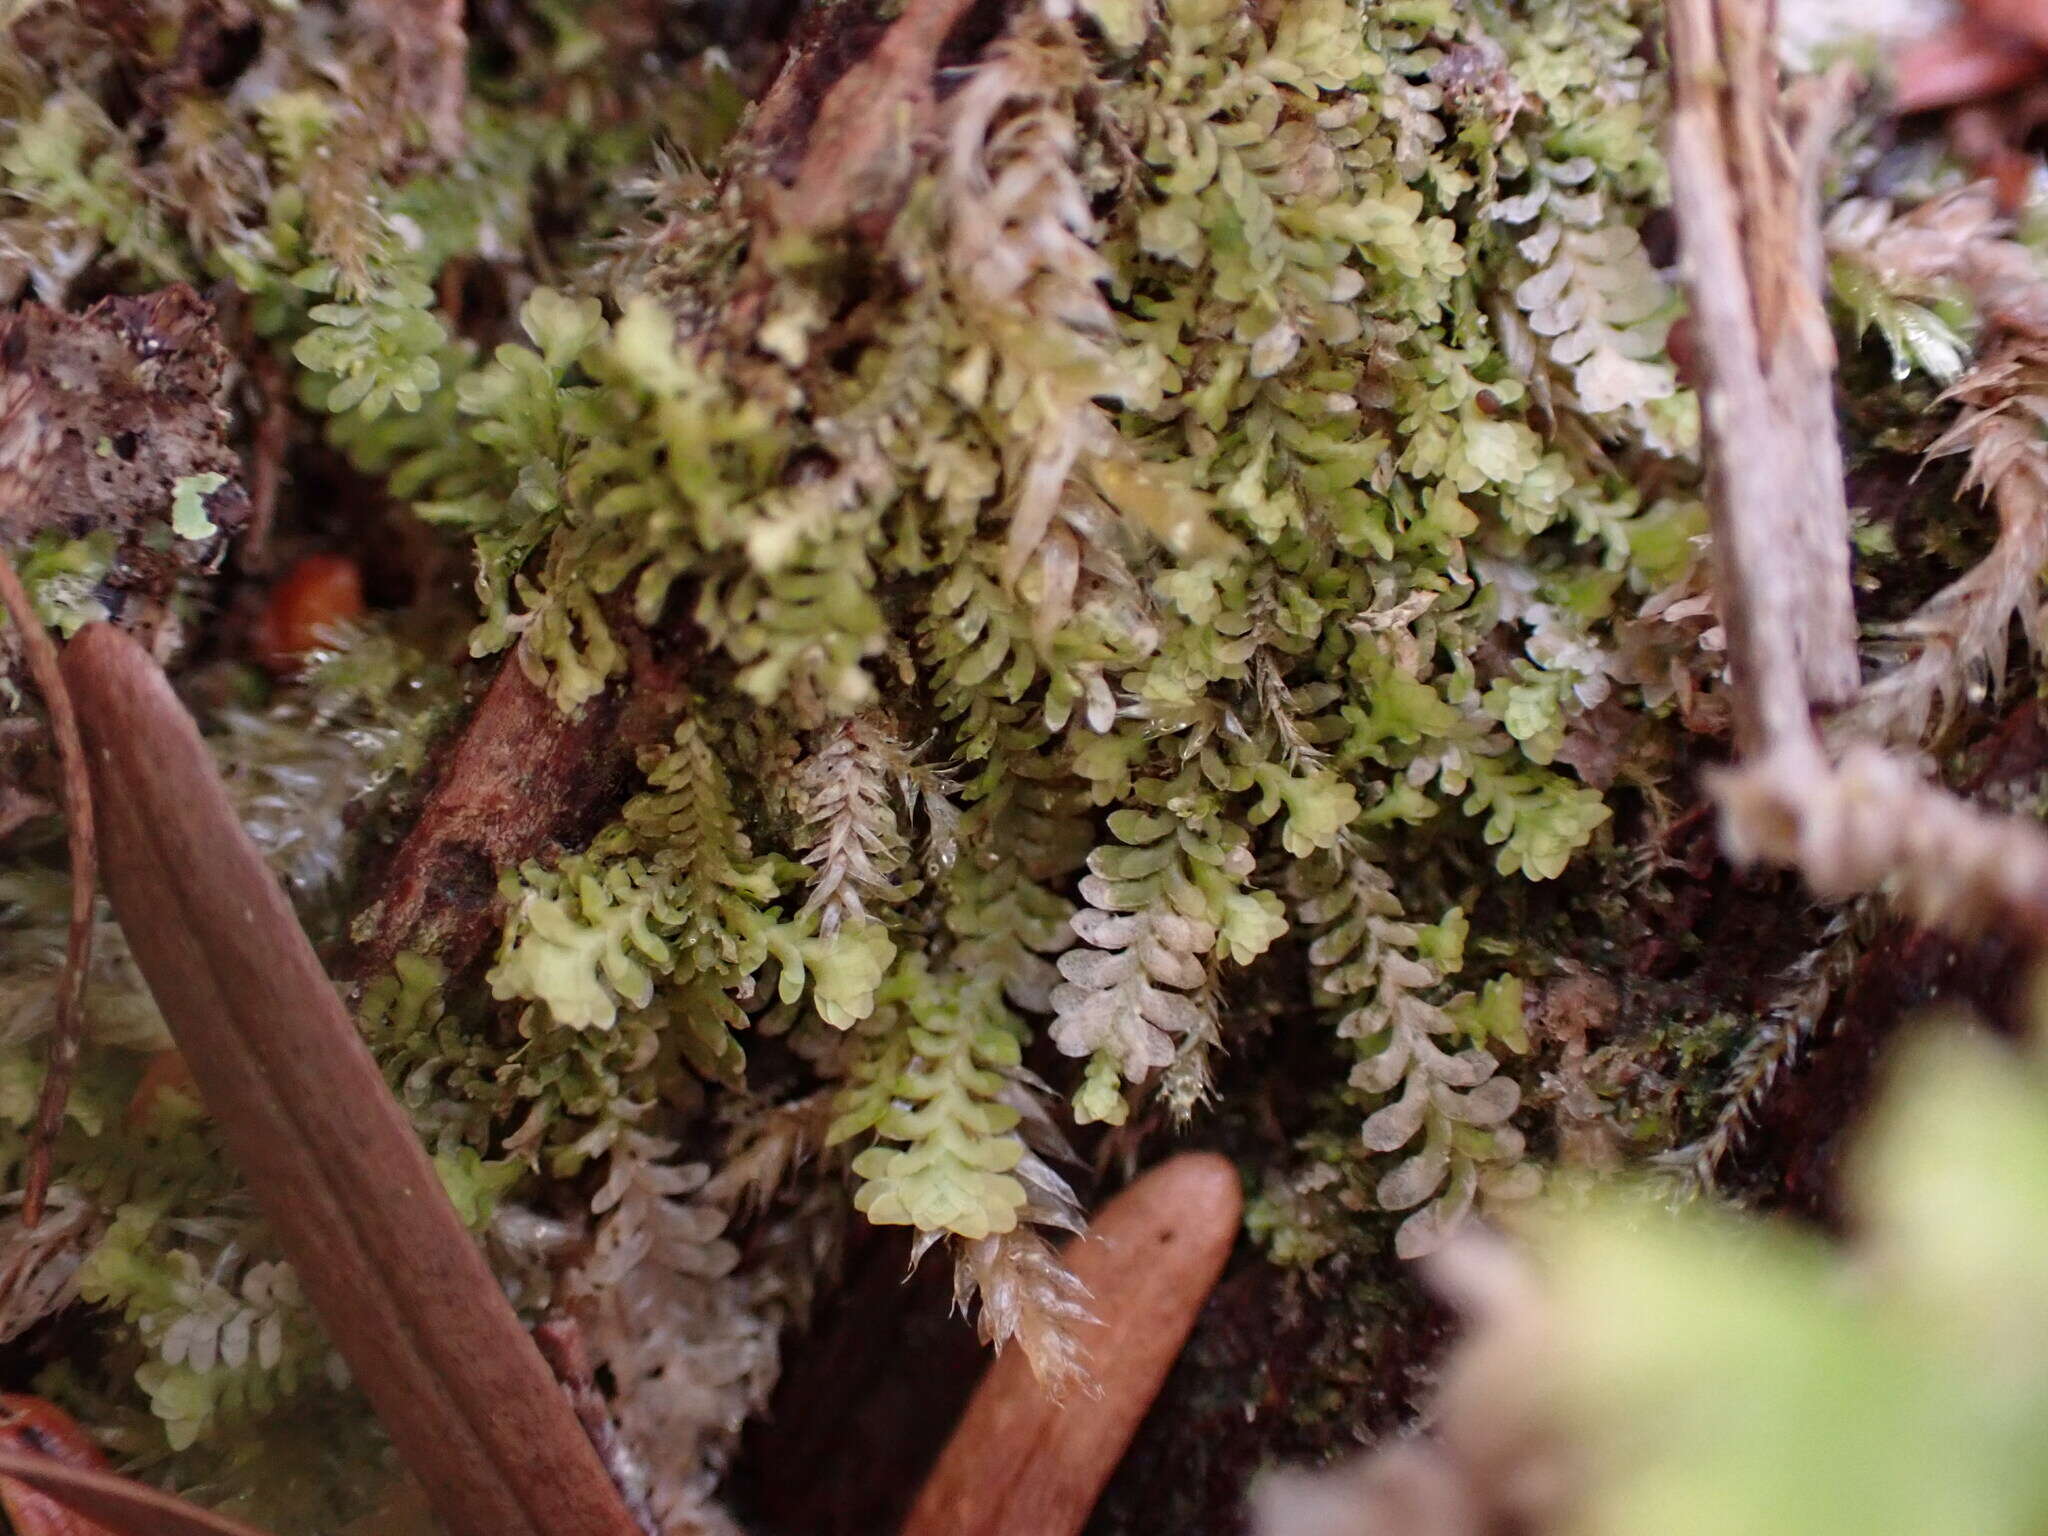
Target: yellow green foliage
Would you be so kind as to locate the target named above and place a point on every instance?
(1210, 500)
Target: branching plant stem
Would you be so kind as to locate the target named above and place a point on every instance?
(62, 1061)
(1745, 174)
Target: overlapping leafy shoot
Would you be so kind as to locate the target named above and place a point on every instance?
(1148, 573)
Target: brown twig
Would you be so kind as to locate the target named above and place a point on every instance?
(403, 1289)
(268, 441)
(117, 1506)
(1745, 184)
(1745, 175)
(62, 1058)
(1024, 1463)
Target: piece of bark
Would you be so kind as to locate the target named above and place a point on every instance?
(1024, 1464)
(1745, 176)
(522, 777)
(102, 414)
(402, 1287)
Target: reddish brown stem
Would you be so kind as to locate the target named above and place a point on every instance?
(62, 1058)
(560, 1340)
(116, 1505)
(268, 443)
(356, 1205)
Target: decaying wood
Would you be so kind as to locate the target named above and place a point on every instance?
(404, 1291)
(1023, 1463)
(103, 413)
(1745, 177)
(523, 776)
(520, 765)
(61, 1060)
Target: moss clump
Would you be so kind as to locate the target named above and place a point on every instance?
(1213, 535)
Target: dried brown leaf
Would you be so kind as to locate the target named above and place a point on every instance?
(357, 1206)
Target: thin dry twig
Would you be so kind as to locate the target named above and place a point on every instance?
(559, 1338)
(268, 442)
(116, 1505)
(1745, 173)
(1870, 823)
(41, 656)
